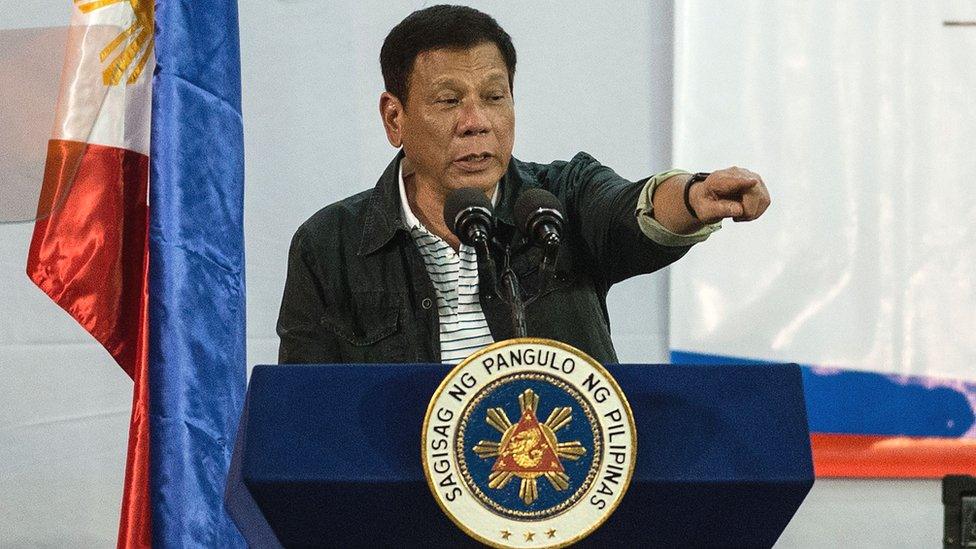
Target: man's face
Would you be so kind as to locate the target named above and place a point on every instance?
(458, 126)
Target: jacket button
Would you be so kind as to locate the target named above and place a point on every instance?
(426, 303)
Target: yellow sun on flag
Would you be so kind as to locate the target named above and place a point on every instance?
(131, 48)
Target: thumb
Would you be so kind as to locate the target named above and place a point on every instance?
(715, 209)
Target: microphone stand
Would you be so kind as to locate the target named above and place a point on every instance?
(510, 286)
(474, 223)
(512, 297)
(510, 292)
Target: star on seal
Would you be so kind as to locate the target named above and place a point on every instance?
(529, 449)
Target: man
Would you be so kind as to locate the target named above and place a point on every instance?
(379, 277)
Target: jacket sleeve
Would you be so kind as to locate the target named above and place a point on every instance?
(602, 209)
(304, 340)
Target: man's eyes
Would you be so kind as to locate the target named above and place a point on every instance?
(495, 97)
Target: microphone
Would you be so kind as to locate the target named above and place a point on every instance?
(468, 214)
(538, 214)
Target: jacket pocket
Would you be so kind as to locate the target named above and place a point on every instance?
(367, 326)
(377, 326)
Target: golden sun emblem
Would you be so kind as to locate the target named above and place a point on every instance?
(131, 47)
(529, 449)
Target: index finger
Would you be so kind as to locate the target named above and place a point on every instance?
(733, 184)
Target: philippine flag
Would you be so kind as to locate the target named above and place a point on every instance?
(139, 238)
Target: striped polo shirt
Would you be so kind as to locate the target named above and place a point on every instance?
(463, 328)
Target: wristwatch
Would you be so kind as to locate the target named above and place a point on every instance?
(700, 176)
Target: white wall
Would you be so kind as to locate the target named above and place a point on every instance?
(875, 514)
(860, 116)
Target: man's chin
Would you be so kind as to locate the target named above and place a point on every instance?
(484, 179)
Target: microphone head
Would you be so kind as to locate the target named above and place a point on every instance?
(533, 202)
(466, 208)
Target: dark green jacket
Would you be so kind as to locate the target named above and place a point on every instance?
(358, 291)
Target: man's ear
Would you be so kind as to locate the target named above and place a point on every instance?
(391, 111)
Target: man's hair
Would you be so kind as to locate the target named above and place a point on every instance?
(453, 27)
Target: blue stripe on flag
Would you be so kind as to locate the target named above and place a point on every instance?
(196, 276)
(867, 403)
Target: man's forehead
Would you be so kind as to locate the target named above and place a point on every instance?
(444, 65)
(448, 80)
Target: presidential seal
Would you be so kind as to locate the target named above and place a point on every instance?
(528, 443)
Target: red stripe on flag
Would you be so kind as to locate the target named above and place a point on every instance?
(89, 253)
(135, 520)
(862, 456)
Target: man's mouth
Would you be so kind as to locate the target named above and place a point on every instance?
(474, 162)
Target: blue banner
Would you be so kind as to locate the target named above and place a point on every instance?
(197, 365)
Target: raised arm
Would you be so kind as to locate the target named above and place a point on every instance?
(734, 193)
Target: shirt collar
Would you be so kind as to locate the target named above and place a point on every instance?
(384, 211)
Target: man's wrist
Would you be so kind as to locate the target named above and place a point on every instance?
(675, 230)
(696, 178)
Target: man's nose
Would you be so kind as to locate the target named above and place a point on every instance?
(473, 119)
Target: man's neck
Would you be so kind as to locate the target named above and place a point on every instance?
(427, 204)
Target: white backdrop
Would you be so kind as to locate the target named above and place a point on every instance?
(861, 116)
(588, 79)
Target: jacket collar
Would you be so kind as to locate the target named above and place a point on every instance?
(383, 217)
